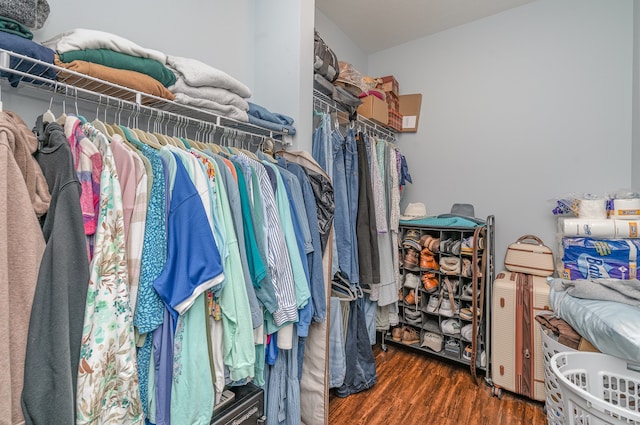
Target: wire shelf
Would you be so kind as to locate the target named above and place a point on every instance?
(24, 71)
(322, 102)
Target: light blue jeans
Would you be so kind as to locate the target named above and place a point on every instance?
(351, 173)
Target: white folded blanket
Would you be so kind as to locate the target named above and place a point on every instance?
(213, 107)
(80, 38)
(198, 74)
(214, 94)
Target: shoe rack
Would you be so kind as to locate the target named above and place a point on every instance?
(436, 298)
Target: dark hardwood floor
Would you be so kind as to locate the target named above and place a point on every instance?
(415, 388)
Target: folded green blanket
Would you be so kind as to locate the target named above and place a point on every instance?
(113, 59)
(15, 27)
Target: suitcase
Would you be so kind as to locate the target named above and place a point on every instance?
(517, 359)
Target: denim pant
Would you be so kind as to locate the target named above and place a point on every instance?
(351, 173)
(337, 365)
(361, 366)
(343, 232)
(321, 149)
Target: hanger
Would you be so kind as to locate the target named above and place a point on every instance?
(48, 116)
(341, 287)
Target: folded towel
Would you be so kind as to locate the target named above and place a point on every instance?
(29, 48)
(32, 13)
(81, 38)
(131, 79)
(15, 28)
(113, 59)
(213, 107)
(198, 74)
(215, 94)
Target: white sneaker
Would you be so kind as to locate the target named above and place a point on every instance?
(433, 304)
(450, 326)
(446, 308)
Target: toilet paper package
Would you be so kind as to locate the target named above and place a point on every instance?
(586, 258)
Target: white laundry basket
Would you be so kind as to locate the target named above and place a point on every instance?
(597, 388)
(553, 396)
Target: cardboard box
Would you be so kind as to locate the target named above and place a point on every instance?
(375, 109)
(393, 101)
(410, 110)
(389, 83)
(395, 120)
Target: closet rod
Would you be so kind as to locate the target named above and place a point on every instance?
(31, 73)
(327, 104)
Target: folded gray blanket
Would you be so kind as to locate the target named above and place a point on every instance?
(229, 111)
(198, 74)
(214, 94)
(623, 291)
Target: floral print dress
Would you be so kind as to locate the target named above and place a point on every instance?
(108, 391)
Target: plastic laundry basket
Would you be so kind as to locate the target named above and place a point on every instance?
(553, 399)
(597, 388)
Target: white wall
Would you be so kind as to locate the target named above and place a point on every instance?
(344, 48)
(519, 108)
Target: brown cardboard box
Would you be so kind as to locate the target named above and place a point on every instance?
(395, 120)
(389, 83)
(587, 346)
(375, 109)
(410, 110)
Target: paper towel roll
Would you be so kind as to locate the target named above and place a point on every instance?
(592, 208)
(593, 228)
(626, 209)
(627, 228)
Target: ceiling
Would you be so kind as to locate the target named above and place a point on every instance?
(376, 25)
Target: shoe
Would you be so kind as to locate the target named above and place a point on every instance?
(466, 353)
(445, 245)
(431, 243)
(432, 341)
(466, 268)
(450, 265)
(396, 334)
(467, 332)
(412, 317)
(410, 298)
(411, 281)
(428, 261)
(467, 314)
(454, 248)
(411, 259)
(450, 326)
(447, 309)
(450, 283)
(410, 336)
(467, 245)
(429, 282)
(452, 346)
(434, 304)
(483, 359)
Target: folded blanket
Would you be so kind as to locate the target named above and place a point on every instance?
(197, 74)
(29, 48)
(131, 79)
(15, 28)
(622, 291)
(270, 125)
(80, 38)
(214, 94)
(32, 13)
(213, 107)
(113, 59)
(264, 114)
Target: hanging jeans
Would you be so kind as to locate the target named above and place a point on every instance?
(321, 145)
(361, 367)
(351, 173)
(343, 238)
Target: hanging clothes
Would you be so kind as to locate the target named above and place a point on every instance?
(25, 197)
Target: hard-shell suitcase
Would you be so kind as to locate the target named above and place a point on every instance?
(517, 360)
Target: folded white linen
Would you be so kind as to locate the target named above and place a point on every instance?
(198, 74)
(214, 94)
(81, 38)
(229, 111)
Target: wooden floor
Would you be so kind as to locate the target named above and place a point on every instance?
(415, 388)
